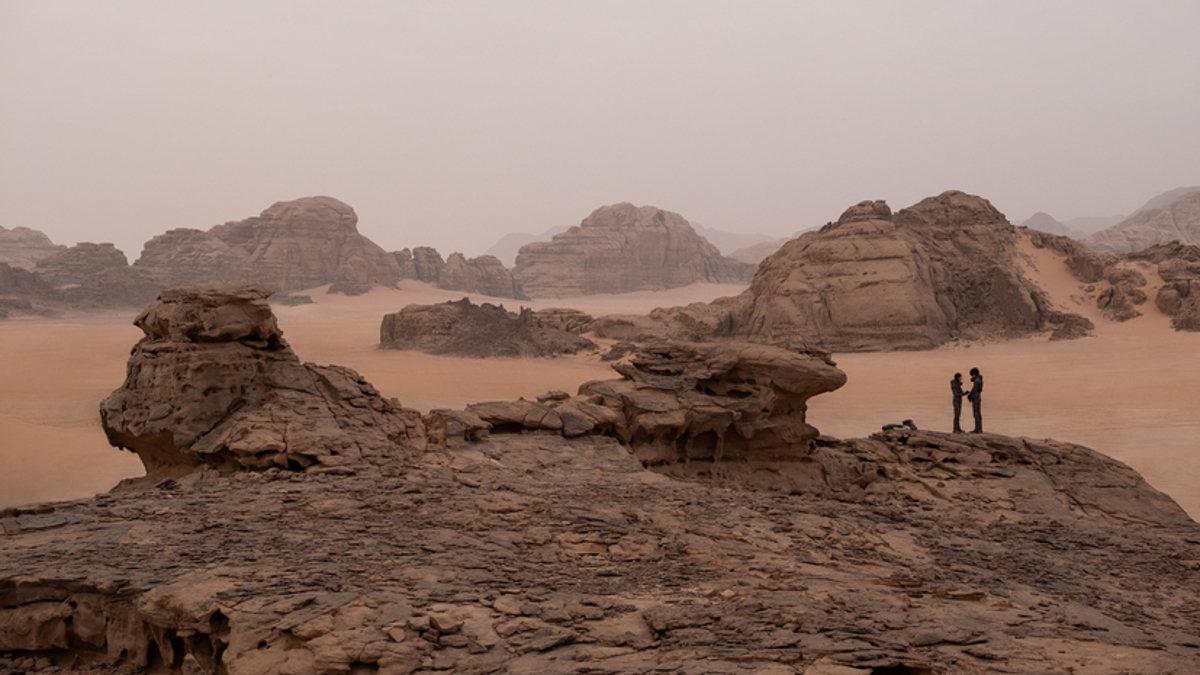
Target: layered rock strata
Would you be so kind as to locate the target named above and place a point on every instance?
(213, 383)
(462, 328)
(620, 249)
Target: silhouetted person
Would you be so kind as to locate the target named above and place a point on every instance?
(976, 399)
(957, 392)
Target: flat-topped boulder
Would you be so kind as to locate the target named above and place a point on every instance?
(621, 249)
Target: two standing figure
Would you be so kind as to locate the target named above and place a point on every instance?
(975, 396)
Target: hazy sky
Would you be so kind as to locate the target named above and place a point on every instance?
(452, 123)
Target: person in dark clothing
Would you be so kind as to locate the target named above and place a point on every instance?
(957, 392)
(976, 398)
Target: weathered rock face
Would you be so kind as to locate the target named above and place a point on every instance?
(291, 246)
(621, 249)
(941, 269)
(690, 406)
(96, 276)
(19, 283)
(485, 274)
(1176, 221)
(214, 383)
(187, 256)
(1179, 296)
(461, 328)
(22, 247)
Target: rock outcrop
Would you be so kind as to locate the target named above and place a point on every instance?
(521, 540)
(485, 274)
(462, 328)
(1177, 221)
(91, 275)
(1179, 268)
(621, 249)
(941, 269)
(213, 383)
(22, 247)
(291, 246)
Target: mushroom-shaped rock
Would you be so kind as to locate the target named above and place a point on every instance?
(213, 382)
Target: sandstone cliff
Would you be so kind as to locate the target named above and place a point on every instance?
(621, 249)
(529, 536)
(22, 247)
(1177, 221)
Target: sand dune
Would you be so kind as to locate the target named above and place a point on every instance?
(1131, 392)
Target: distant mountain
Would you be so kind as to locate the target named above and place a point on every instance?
(1166, 198)
(506, 249)
(22, 247)
(1091, 224)
(1178, 220)
(733, 241)
(1044, 222)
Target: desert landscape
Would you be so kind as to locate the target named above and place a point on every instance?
(599, 338)
(60, 369)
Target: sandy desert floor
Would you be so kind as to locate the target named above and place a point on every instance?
(1132, 391)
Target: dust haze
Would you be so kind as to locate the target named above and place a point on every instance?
(452, 124)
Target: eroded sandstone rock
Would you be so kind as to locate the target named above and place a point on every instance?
(290, 246)
(1178, 220)
(620, 249)
(91, 275)
(214, 383)
(463, 328)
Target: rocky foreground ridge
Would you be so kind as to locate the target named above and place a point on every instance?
(683, 518)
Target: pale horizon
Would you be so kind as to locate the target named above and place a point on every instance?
(452, 124)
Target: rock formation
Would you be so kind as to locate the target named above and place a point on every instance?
(485, 275)
(461, 328)
(214, 383)
(523, 540)
(510, 244)
(22, 247)
(1179, 268)
(291, 246)
(621, 249)
(91, 275)
(1177, 221)
(941, 269)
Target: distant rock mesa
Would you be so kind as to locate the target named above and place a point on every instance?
(622, 249)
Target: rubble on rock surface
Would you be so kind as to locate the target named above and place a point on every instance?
(514, 537)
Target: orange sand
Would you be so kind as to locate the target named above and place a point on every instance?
(1131, 392)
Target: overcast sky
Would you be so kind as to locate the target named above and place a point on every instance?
(453, 123)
